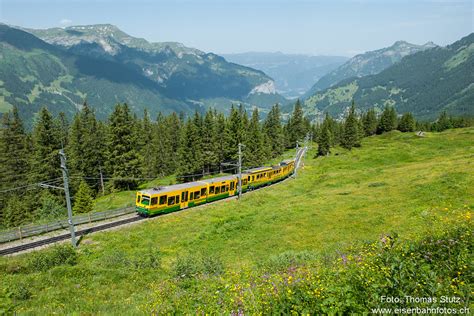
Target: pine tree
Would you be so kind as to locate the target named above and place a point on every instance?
(274, 131)
(123, 149)
(83, 201)
(407, 123)
(370, 122)
(15, 212)
(14, 158)
(443, 122)
(147, 140)
(351, 134)
(86, 149)
(46, 143)
(190, 153)
(297, 126)
(223, 137)
(209, 139)
(388, 120)
(324, 144)
(254, 151)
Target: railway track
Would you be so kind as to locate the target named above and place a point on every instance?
(39, 243)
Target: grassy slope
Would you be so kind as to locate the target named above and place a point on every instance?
(387, 185)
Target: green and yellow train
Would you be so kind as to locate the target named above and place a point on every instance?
(180, 196)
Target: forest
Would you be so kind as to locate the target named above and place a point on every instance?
(125, 150)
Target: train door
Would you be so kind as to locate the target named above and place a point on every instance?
(184, 199)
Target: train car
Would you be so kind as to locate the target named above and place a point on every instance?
(180, 196)
(258, 177)
(170, 198)
(221, 187)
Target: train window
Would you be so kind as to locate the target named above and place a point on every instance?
(211, 190)
(154, 201)
(163, 199)
(177, 199)
(244, 182)
(171, 200)
(232, 185)
(196, 195)
(191, 196)
(203, 191)
(218, 190)
(138, 198)
(253, 178)
(227, 188)
(223, 188)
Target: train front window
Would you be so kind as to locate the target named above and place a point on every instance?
(145, 200)
(138, 198)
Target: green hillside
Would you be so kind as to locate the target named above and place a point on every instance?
(425, 83)
(106, 66)
(369, 63)
(224, 258)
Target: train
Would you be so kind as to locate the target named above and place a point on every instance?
(166, 199)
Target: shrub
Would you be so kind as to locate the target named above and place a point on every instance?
(58, 255)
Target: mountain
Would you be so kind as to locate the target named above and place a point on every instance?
(369, 63)
(424, 83)
(294, 74)
(61, 68)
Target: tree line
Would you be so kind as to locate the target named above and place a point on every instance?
(125, 151)
(349, 132)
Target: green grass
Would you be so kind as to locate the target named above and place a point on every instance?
(392, 183)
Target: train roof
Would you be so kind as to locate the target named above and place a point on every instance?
(219, 179)
(170, 188)
(258, 169)
(286, 161)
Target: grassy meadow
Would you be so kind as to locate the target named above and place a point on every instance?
(245, 256)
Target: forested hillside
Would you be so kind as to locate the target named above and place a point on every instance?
(425, 83)
(88, 65)
(127, 151)
(369, 63)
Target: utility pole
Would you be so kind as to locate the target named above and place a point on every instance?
(296, 160)
(239, 165)
(101, 180)
(240, 170)
(68, 198)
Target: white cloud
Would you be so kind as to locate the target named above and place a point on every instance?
(65, 22)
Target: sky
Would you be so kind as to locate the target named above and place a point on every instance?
(338, 27)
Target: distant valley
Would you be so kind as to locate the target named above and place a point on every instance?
(294, 74)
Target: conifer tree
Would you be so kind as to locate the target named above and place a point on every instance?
(46, 143)
(324, 144)
(274, 131)
(174, 130)
(407, 123)
(146, 139)
(209, 139)
(297, 126)
(223, 137)
(370, 122)
(162, 160)
(14, 158)
(254, 151)
(236, 130)
(83, 201)
(86, 148)
(351, 134)
(388, 120)
(123, 149)
(190, 152)
(15, 213)
(443, 122)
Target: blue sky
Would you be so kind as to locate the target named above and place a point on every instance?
(344, 27)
